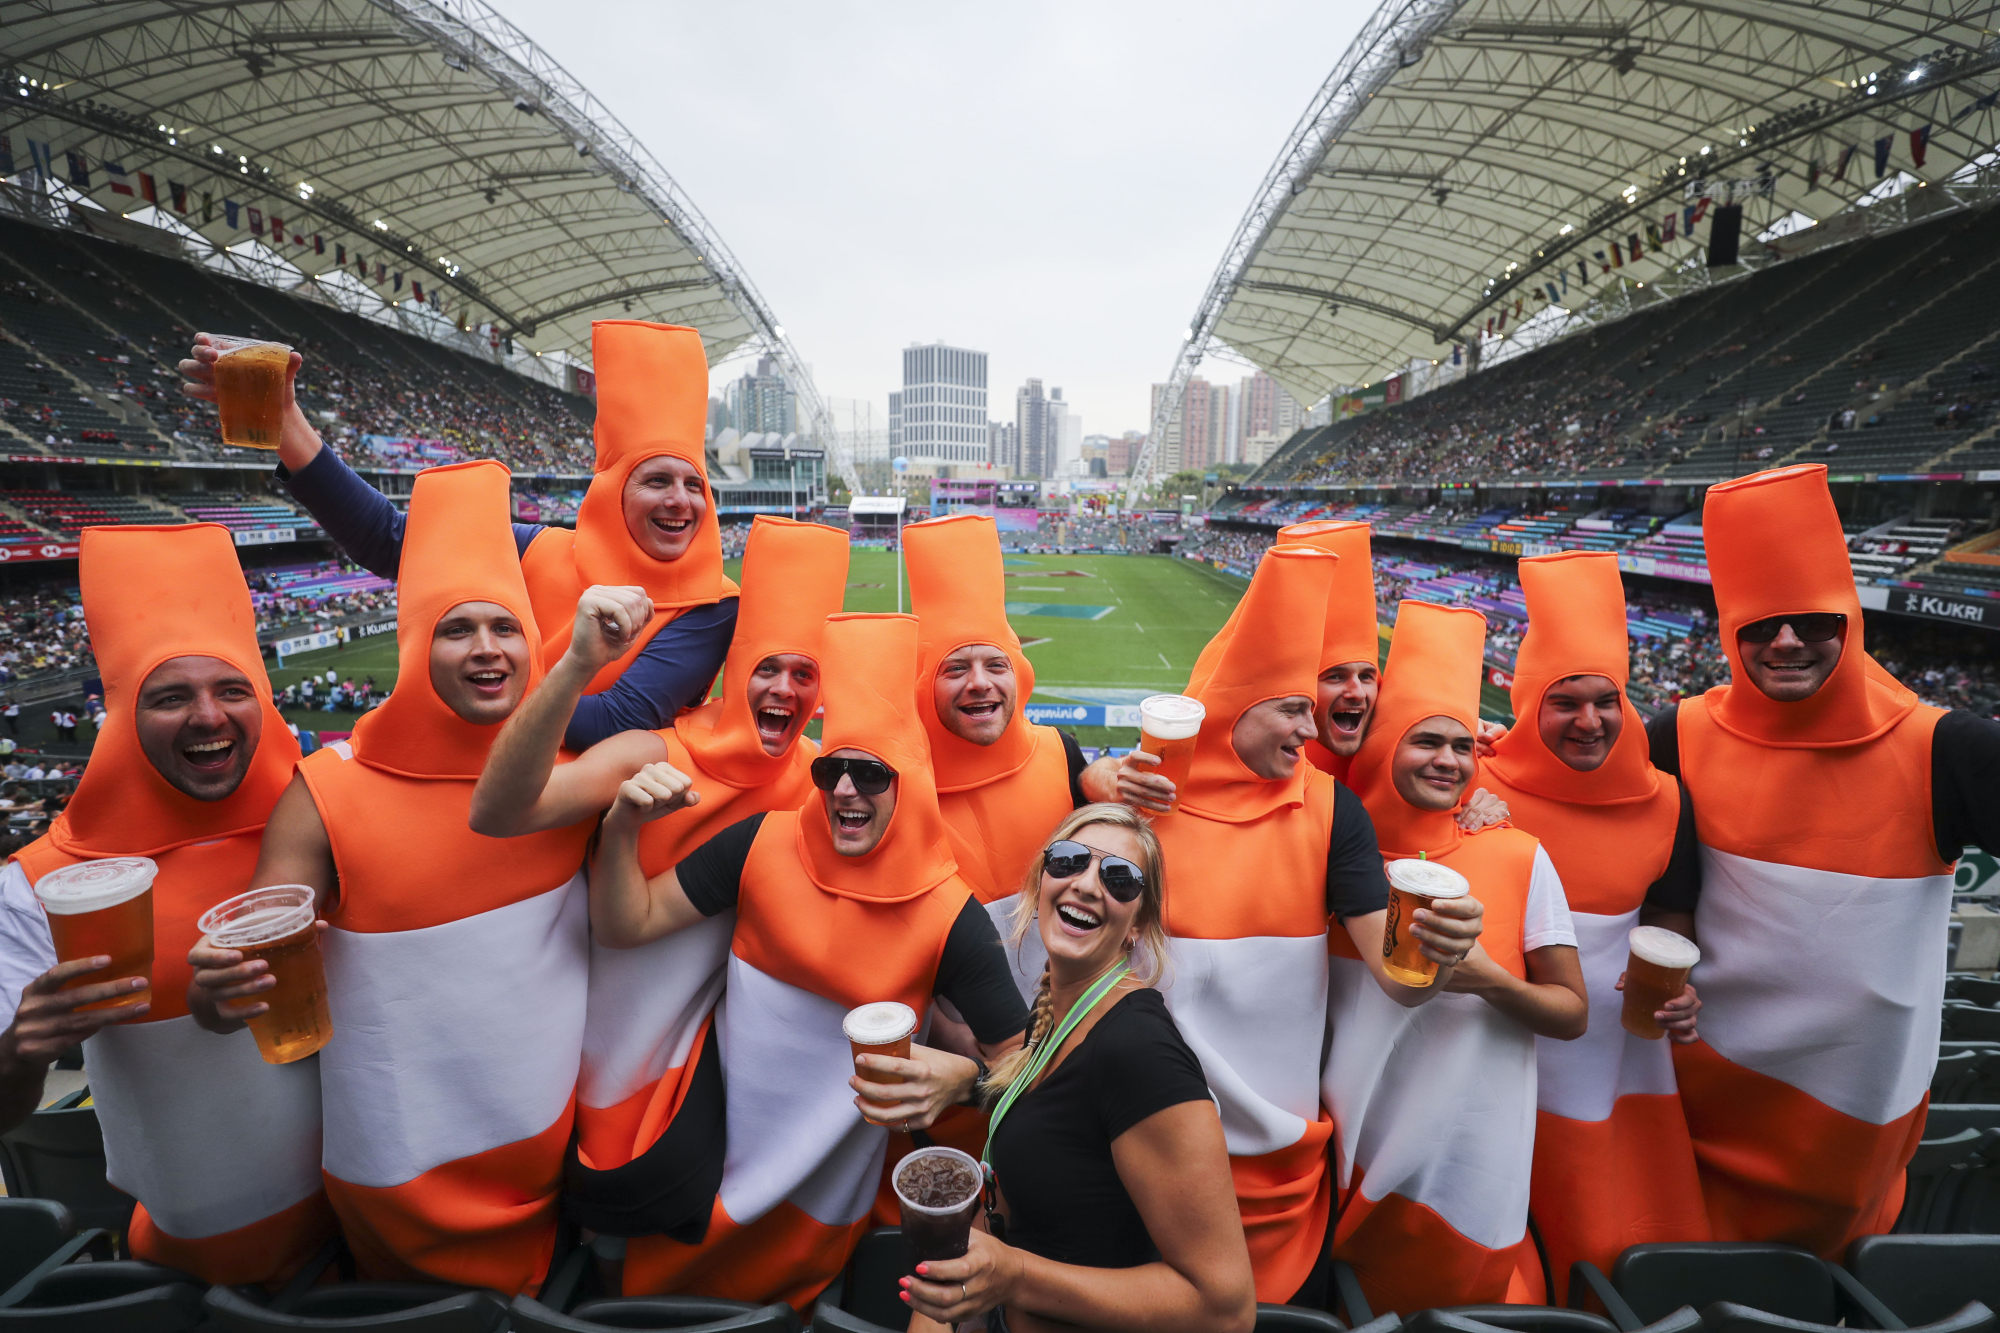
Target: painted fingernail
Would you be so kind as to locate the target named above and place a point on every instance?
(924, 1270)
(905, 1296)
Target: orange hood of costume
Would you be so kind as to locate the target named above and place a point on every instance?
(1269, 650)
(151, 594)
(958, 590)
(1576, 627)
(870, 667)
(1775, 546)
(455, 550)
(1350, 634)
(794, 577)
(1436, 662)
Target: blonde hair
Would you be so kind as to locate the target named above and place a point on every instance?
(1149, 956)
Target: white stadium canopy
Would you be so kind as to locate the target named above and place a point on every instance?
(397, 142)
(1465, 154)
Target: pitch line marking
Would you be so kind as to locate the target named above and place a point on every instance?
(1164, 662)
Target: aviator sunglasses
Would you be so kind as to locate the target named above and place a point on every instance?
(871, 776)
(1811, 627)
(1065, 859)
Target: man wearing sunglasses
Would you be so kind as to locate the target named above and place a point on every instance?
(1829, 807)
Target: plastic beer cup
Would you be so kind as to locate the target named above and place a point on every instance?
(882, 1028)
(1414, 884)
(250, 390)
(939, 1190)
(103, 907)
(1656, 973)
(276, 924)
(1169, 725)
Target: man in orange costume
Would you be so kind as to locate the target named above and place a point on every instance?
(220, 1149)
(1829, 806)
(1613, 1162)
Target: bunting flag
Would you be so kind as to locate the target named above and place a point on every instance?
(417, 291)
(1668, 223)
(1565, 278)
(38, 155)
(207, 207)
(229, 210)
(1653, 237)
(340, 254)
(6, 156)
(1920, 143)
(1632, 244)
(277, 230)
(1582, 271)
(398, 284)
(1983, 104)
(1458, 354)
(256, 220)
(180, 196)
(319, 245)
(1617, 256)
(1603, 264)
(1489, 326)
(1812, 175)
(1555, 297)
(1882, 155)
(147, 190)
(1517, 306)
(1503, 319)
(79, 169)
(118, 178)
(381, 271)
(1840, 167)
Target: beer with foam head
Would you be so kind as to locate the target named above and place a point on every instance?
(103, 907)
(1656, 972)
(1169, 725)
(250, 391)
(1414, 884)
(276, 924)
(882, 1028)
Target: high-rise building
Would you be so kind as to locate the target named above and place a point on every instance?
(1065, 437)
(762, 403)
(1268, 409)
(1003, 446)
(1031, 424)
(1166, 451)
(895, 423)
(1198, 442)
(1122, 452)
(944, 404)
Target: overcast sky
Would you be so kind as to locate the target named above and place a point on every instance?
(1048, 182)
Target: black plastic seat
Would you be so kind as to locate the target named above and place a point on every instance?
(869, 1286)
(372, 1307)
(1729, 1317)
(1651, 1282)
(35, 1234)
(832, 1319)
(1518, 1318)
(58, 1153)
(1935, 1180)
(1295, 1319)
(1971, 1022)
(1984, 1084)
(1922, 1279)
(689, 1314)
(1976, 990)
(1955, 1069)
(117, 1296)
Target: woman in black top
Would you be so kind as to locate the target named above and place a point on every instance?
(1114, 1178)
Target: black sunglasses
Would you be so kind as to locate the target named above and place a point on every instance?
(871, 776)
(1811, 627)
(1066, 859)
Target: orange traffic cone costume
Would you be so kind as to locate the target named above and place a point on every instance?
(1249, 923)
(652, 401)
(1613, 1162)
(1824, 902)
(1353, 632)
(457, 964)
(816, 935)
(1435, 1106)
(220, 1149)
(648, 1029)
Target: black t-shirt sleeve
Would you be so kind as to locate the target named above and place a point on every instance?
(1965, 777)
(1355, 881)
(1077, 763)
(1142, 1064)
(712, 874)
(1663, 738)
(1679, 888)
(973, 974)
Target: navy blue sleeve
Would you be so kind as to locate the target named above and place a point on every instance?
(362, 521)
(673, 671)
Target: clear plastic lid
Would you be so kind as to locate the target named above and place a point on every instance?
(880, 1023)
(92, 886)
(1171, 717)
(258, 917)
(1428, 878)
(1664, 948)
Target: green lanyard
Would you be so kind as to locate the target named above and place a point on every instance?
(1045, 1050)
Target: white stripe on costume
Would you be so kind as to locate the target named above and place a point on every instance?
(646, 1005)
(199, 1129)
(1865, 1046)
(1252, 1011)
(1581, 1079)
(1435, 1104)
(795, 1135)
(453, 1039)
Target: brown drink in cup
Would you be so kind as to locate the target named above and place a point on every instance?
(250, 391)
(882, 1028)
(276, 924)
(939, 1190)
(1169, 725)
(1414, 884)
(1656, 972)
(103, 907)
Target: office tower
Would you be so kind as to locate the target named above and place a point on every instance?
(944, 404)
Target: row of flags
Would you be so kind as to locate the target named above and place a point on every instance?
(1677, 224)
(203, 205)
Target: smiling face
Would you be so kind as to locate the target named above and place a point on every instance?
(975, 693)
(1790, 669)
(1269, 736)
(479, 661)
(858, 820)
(1433, 764)
(199, 722)
(784, 694)
(1580, 720)
(1346, 701)
(1081, 925)
(664, 500)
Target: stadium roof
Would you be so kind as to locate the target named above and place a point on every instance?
(427, 139)
(1466, 152)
